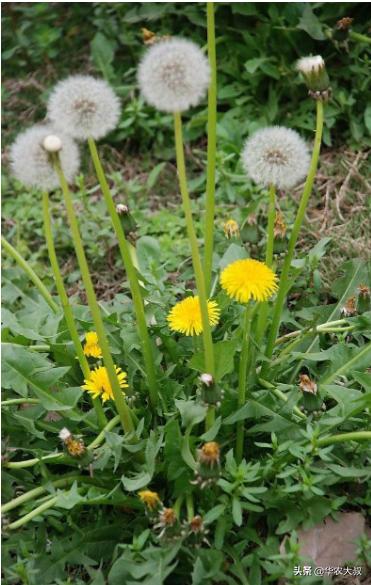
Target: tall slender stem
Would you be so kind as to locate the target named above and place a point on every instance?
(284, 283)
(242, 375)
(36, 512)
(30, 273)
(67, 309)
(211, 149)
(122, 407)
(132, 276)
(263, 309)
(197, 266)
(344, 438)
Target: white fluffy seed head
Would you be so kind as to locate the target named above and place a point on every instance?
(84, 107)
(52, 143)
(65, 434)
(174, 75)
(277, 156)
(31, 163)
(307, 65)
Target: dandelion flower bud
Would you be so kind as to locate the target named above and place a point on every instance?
(84, 107)
(276, 155)
(174, 75)
(31, 162)
(314, 72)
(52, 143)
(207, 379)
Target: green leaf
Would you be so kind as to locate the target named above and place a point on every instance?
(233, 252)
(236, 511)
(214, 513)
(191, 412)
(310, 23)
(224, 352)
(102, 52)
(24, 369)
(132, 484)
(348, 472)
(354, 357)
(253, 409)
(69, 499)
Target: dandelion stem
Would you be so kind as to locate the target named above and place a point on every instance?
(30, 273)
(197, 266)
(122, 407)
(190, 507)
(344, 438)
(32, 494)
(20, 401)
(36, 512)
(242, 375)
(284, 282)
(263, 309)
(211, 149)
(132, 276)
(359, 37)
(67, 309)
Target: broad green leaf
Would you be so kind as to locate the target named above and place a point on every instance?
(310, 24)
(141, 480)
(191, 412)
(224, 352)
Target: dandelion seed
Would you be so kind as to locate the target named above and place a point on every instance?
(84, 107)
(174, 75)
(276, 155)
(185, 316)
(248, 279)
(31, 163)
(91, 347)
(98, 383)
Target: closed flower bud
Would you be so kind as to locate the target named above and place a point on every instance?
(231, 229)
(52, 143)
(207, 379)
(174, 75)
(314, 72)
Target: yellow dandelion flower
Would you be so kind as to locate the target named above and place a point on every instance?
(98, 383)
(248, 279)
(185, 316)
(231, 229)
(150, 499)
(91, 347)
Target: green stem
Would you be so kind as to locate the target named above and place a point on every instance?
(211, 148)
(190, 507)
(122, 407)
(359, 37)
(67, 309)
(329, 326)
(344, 438)
(132, 276)
(20, 401)
(284, 282)
(32, 494)
(53, 457)
(281, 396)
(36, 512)
(30, 273)
(263, 310)
(242, 378)
(197, 266)
(210, 417)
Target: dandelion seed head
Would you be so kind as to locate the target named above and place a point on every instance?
(185, 316)
(248, 279)
(31, 163)
(84, 107)
(276, 155)
(174, 75)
